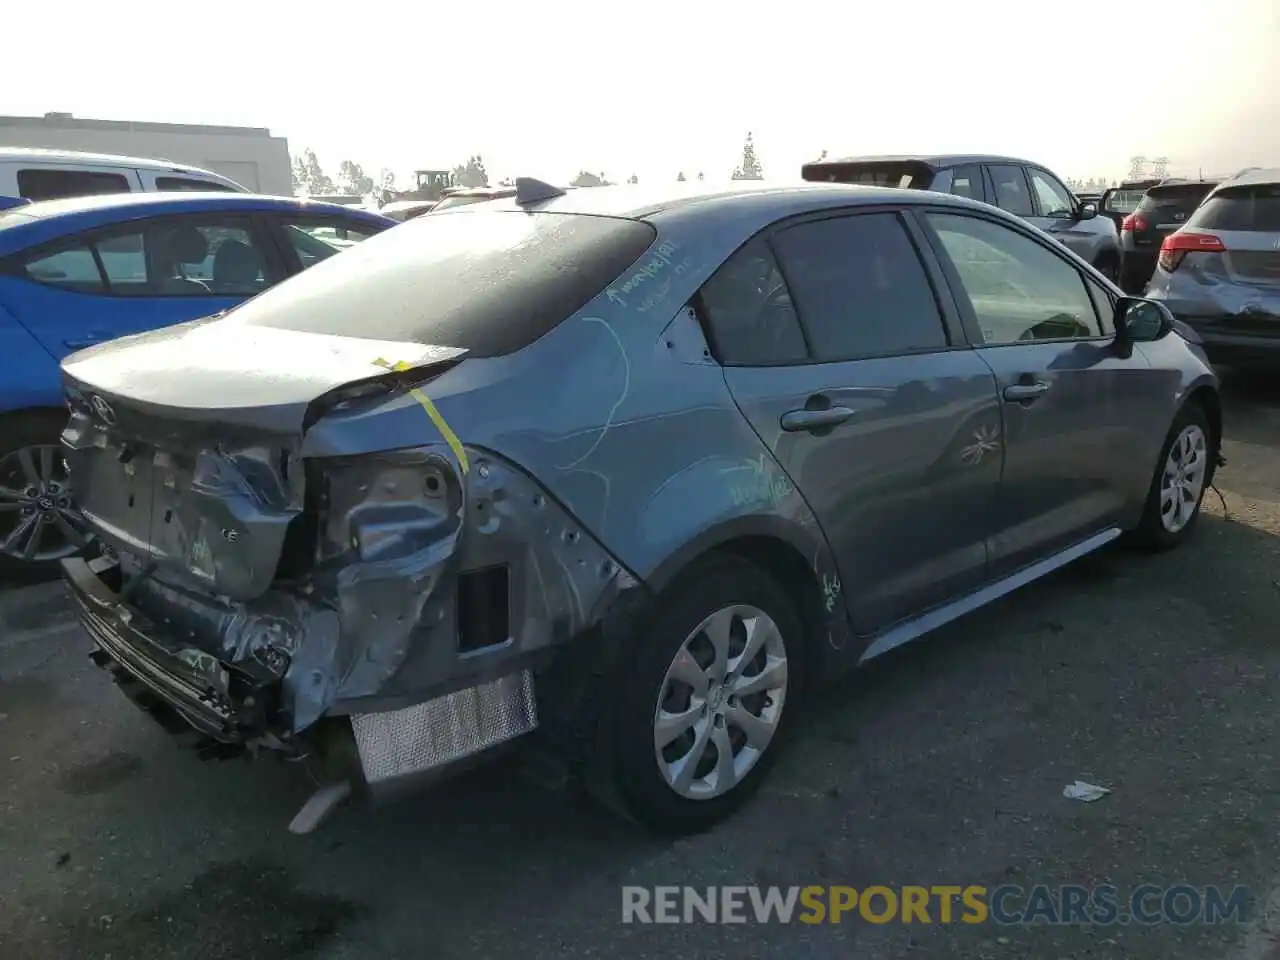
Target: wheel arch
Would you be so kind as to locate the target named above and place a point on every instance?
(785, 551)
(1206, 397)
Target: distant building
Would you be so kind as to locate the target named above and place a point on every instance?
(248, 155)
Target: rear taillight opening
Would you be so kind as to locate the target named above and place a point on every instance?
(1177, 245)
(1133, 223)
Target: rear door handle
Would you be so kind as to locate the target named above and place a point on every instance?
(1022, 392)
(794, 421)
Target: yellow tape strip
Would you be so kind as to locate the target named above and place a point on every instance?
(450, 437)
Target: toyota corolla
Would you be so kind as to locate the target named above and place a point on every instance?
(632, 470)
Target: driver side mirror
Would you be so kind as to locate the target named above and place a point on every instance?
(1141, 321)
(1086, 210)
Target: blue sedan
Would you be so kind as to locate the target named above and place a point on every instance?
(76, 272)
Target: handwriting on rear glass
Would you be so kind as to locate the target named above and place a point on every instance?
(642, 280)
(756, 483)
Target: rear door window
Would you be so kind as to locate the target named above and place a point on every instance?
(56, 184)
(860, 288)
(490, 281)
(220, 257)
(1246, 208)
(1011, 189)
(748, 308)
(966, 181)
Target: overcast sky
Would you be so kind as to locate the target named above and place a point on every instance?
(653, 87)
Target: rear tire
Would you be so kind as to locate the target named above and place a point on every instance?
(730, 732)
(36, 516)
(1109, 267)
(1182, 475)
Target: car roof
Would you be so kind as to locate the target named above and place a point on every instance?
(43, 155)
(935, 160)
(764, 201)
(1260, 176)
(34, 223)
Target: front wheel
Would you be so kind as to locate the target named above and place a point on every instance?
(1182, 475)
(698, 710)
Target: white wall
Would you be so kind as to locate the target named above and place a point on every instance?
(249, 156)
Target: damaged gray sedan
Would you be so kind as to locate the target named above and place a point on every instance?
(634, 470)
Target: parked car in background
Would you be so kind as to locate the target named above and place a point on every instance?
(77, 272)
(402, 210)
(1220, 272)
(461, 196)
(1118, 202)
(804, 426)
(1164, 208)
(1025, 189)
(35, 174)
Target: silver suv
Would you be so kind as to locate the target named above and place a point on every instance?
(1024, 189)
(1220, 272)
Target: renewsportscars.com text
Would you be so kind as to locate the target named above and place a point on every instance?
(1147, 904)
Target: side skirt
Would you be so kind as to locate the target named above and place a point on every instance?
(910, 630)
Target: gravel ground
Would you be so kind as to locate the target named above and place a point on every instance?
(943, 763)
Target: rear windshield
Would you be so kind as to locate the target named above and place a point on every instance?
(1124, 201)
(1183, 197)
(912, 175)
(491, 281)
(1255, 207)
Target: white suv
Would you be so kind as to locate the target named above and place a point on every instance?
(33, 174)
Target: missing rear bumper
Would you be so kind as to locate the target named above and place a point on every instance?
(218, 701)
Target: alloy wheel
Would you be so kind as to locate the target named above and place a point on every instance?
(720, 702)
(1182, 482)
(38, 522)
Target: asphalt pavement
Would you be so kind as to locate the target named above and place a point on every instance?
(943, 763)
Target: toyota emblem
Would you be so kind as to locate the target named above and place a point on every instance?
(103, 409)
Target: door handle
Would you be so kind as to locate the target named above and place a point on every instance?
(794, 421)
(1022, 392)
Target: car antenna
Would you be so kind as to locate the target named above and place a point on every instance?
(529, 190)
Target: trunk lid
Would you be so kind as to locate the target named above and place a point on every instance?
(183, 444)
(1164, 209)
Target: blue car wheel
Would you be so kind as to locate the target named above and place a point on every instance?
(38, 523)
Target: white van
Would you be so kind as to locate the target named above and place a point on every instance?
(34, 174)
